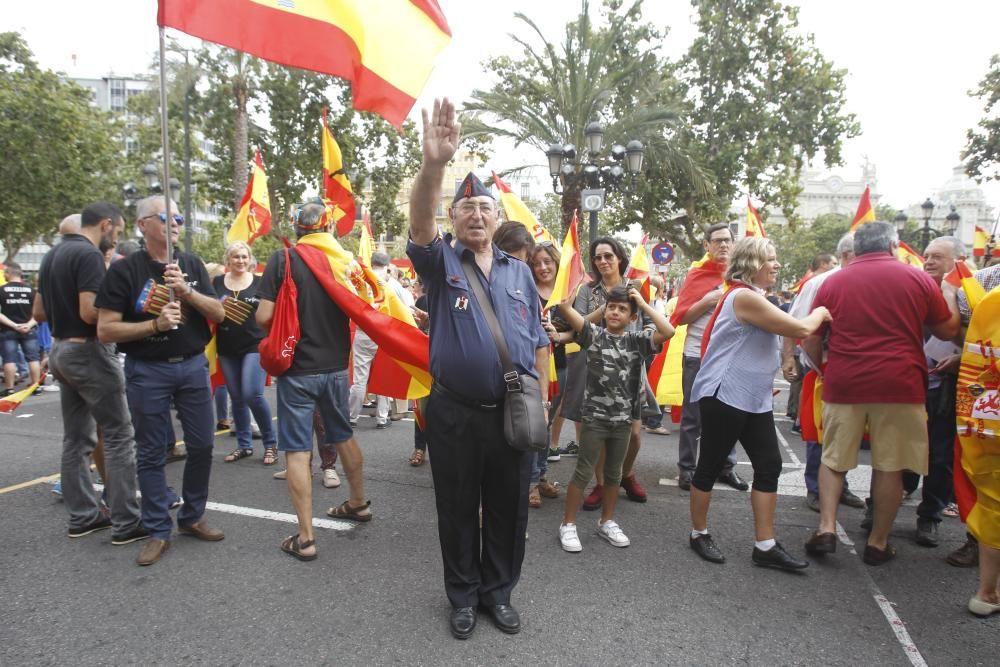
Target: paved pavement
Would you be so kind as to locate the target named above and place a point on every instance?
(374, 596)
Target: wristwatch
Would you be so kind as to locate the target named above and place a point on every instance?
(547, 404)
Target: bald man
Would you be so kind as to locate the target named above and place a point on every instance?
(70, 224)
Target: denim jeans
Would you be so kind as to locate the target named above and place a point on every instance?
(299, 396)
(814, 454)
(245, 381)
(150, 386)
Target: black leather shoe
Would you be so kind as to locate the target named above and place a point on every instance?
(684, 481)
(705, 547)
(927, 532)
(505, 618)
(847, 497)
(819, 544)
(463, 622)
(733, 480)
(777, 557)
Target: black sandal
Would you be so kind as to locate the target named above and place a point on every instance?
(291, 546)
(270, 456)
(238, 454)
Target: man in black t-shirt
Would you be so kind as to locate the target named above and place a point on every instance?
(92, 388)
(157, 313)
(316, 379)
(17, 326)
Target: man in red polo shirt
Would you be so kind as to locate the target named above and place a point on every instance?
(876, 378)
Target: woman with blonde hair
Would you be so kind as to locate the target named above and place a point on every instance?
(740, 357)
(237, 338)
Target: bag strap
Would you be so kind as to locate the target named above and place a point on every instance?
(510, 376)
(288, 266)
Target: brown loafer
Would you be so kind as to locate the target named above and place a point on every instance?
(876, 556)
(202, 531)
(152, 551)
(821, 543)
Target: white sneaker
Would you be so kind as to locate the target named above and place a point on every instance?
(568, 538)
(611, 532)
(330, 478)
(281, 474)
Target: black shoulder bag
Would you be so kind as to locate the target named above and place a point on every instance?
(524, 425)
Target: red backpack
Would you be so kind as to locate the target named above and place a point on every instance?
(277, 349)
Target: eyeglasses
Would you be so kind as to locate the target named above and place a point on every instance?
(606, 257)
(721, 241)
(468, 208)
(544, 244)
(179, 219)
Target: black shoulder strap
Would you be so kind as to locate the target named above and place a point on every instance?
(491, 319)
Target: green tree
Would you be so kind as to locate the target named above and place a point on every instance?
(59, 152)
(613, 73)
(761, 102)
(798, 246)
(982, 151)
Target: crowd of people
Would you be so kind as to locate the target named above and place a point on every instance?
(868, 333)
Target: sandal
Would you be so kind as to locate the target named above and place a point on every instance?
(270, 456)
(345, 511)
(291, 546)
(238, 454)
(534, 498)
(951, 510)
(417, 458)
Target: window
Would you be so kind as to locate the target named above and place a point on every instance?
(525, 191)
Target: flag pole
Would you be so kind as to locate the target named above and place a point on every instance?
(168, 225)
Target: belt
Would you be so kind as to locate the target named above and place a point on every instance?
(181, 357)
(463, 400)
(77, 339)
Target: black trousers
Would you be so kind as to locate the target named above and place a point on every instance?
(721, 426)
(473, 465)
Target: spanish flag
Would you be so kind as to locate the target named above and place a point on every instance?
(386, 49)
(865, 211)
(638, 269)
(215, 374)
(797, 287)
(515, 210)
(570, 273)
(10, 403)
(337, 189)
(703, 277)
(754, 226)
(961, 277)
(979, 242)
(367, 244)
(254, 217)
(908, 255)
(400, 367)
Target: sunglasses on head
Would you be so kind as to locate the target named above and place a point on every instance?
(179, 219)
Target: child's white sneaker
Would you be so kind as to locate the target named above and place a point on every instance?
(568, 538)
(611, 532)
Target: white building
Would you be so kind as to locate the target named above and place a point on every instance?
(825, 192)
(969, 201)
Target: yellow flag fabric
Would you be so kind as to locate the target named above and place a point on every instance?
(366, 246)
(570, 272)
(515, 210)
(754, 226)
(253, 220)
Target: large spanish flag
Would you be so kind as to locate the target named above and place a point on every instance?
(385, 48)
(754, 226)
(12, 402)
(254, 217)
(515, 210)
(337, 191)
(865, 212)
(570, 273)
(703, 277)
(400, 367)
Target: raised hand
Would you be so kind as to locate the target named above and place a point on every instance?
(442, 132)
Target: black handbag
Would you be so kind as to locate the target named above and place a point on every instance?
(524, 425)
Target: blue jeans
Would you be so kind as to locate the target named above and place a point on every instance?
(245, 381)
(150, 385)
(299, 396)
(221, 395)
(14, 344)
(814, 454)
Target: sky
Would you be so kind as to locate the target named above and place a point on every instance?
(910, 65)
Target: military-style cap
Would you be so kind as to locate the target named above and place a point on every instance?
(471, 187)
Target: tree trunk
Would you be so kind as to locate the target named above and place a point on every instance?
(240, 141)
(571, 203)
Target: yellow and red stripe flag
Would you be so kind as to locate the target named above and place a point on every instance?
(666, 370)
(386, 49)
(754, 226)
(638, 269)
(865, 212)
(962, 278)
(337, 189)
(570, 273)
(366, 246)
(703, 277)
(253, 220)
(215, 375)
(515, 210)
(400, 367)
(979, 242)
(10, 403)
(908, 255)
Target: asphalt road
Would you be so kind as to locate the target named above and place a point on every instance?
(374, 596)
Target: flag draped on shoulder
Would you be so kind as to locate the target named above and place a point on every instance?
(253, 220)
(515, 210)
(754, 226)
(570, 273)
(703, 277)
(865, 212)
(337, 191)
(12, 402)
(386, 49)
(400, 367)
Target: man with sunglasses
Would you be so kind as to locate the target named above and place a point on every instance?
(158, 314)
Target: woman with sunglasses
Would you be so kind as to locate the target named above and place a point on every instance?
(237, 338)
(608, 262)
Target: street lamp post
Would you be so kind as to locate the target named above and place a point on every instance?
(951, 222)
(594, 177)
(151, 177)
(927, 207)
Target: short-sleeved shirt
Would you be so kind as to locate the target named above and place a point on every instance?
(463, 352)
(325, 341)
(15, 302)
(614, 372)
(75, 265)
(135, 288)
(803, 303)
(879, 307)
(238, 334)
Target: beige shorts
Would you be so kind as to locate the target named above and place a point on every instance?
(898, 434)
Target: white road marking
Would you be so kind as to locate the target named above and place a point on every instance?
(788, 450)
(792, 482)
(332, 524)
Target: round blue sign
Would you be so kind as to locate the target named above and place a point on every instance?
(663, 253)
